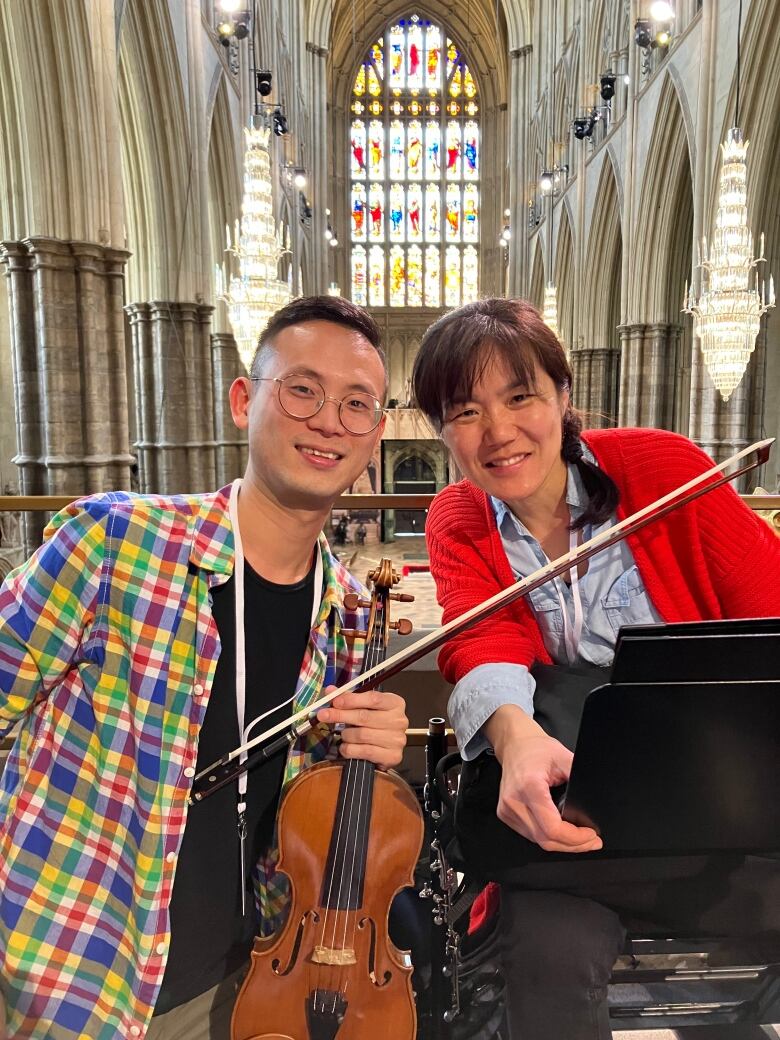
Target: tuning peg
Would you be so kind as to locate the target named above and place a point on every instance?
(353, 633)
(402, 626)
(352, 601)
(402, 597)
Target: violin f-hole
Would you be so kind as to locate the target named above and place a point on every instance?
(276, 962)
(372, 954)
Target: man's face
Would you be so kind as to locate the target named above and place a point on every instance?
(307, 463)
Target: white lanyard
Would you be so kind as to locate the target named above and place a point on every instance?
(243, 730)
(571, 633)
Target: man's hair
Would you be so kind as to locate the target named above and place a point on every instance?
(320, 308)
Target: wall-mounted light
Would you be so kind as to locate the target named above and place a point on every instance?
(583, 126)
(279, 122)
(607, 85)
(655, 31)
(263, 82)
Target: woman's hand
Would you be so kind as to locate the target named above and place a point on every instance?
(531, 764)
(375, 725)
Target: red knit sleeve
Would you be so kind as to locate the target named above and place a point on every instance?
(712, 558)
(459, 548)
(744, 556)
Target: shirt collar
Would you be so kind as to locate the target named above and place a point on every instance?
(332, 586)
(212, 547)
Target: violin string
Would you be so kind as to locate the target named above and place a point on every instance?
(345, 821)
(357, 809)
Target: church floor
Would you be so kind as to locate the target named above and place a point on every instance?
(703, 1033)
(408, 552)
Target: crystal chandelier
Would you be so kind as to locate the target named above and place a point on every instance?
(257, 292)
(728, 311)
(550, 308)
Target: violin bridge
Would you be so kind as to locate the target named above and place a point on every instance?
(326, 955)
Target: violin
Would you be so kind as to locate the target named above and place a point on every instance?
(349, 839)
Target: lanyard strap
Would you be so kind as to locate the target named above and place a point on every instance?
(238, 571)
(572, 633)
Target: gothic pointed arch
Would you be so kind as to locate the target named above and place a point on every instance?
(470, 33)
(665, 221)
(57, 161)
(536, 287)
(156, 157)
(564, 277)
(224, 180)
(596, 388)
(656, 344)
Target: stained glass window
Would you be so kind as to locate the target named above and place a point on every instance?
(415, 154)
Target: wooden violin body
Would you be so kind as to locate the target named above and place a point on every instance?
(332, 972)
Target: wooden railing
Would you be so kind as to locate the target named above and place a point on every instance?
(51, 503)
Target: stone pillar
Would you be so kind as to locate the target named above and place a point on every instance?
(518, 174)
(648, 374)
(319, 123)
(595, 374)
(631, 337)
(174, 396)
(231, 443)
(67, 332)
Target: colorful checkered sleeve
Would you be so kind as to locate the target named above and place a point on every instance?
(47, 604)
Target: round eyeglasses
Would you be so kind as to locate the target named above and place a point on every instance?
(302, 397)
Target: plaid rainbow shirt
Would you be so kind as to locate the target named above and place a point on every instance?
(107, 655)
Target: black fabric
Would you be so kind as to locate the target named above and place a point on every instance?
(210, 938)
(487, 847)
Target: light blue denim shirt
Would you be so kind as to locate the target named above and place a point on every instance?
(612, 594)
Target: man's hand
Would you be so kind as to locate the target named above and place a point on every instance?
(375, 725)
(531, 764)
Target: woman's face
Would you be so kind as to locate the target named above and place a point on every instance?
(506, 438)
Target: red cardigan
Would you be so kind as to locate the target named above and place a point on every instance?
(710, 559)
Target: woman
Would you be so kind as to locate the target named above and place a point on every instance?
(495, 382)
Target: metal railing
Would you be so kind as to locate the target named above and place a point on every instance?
(51, 503)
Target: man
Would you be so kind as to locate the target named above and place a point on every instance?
(135, 649)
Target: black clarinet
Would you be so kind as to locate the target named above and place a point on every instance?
(444, 941)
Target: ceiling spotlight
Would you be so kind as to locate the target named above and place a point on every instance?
(280, 123)
(546, 182)
(507, 213)
(242, 31)
(663, 38)
(643, 33)
(328, 234)
(661, 11)
(583, 126)
(506, 234)
(229, 6)
(627, 79)
(299, 177)
(607, 85)
(334, 241)
(263, 82)
(224, 30)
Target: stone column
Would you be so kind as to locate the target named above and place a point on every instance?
(518, 152)
(174, 396)
(631, 341)
(649, 365)
(67, 335)
(231, 443)
(319, 119)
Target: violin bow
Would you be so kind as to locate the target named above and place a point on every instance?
(229, 767)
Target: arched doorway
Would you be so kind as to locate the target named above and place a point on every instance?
(412, 476)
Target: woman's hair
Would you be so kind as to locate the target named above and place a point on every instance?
(457, 349)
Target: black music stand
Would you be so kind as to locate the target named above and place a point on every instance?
(680, 752)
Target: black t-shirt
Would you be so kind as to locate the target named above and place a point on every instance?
(209, 936)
